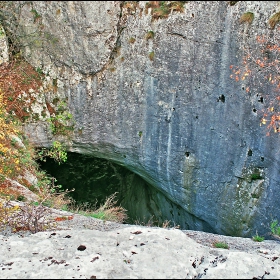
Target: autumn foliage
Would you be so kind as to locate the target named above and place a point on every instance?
(17, 79)
(261, 72)
(10, 156)
(18, 83)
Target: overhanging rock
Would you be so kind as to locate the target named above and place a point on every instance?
(155, 95)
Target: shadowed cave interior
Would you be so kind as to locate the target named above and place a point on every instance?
(94, 179)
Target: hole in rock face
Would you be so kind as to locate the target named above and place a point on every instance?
(221, 98)
(95, 179)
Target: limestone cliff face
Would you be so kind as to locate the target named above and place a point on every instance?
(155, 95)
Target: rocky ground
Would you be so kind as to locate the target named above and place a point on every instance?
(88, 248)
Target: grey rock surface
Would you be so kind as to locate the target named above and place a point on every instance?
(87, 248)
(177, 119)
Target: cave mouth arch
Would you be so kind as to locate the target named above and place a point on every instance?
(94, 179)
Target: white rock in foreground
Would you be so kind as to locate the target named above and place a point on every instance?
(130, 252)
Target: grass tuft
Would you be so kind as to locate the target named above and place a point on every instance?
(109, 211)
(131, 40)
(162, 9)
(152, 55)
(247, 17)
(222, 245)
(274, 19)
(258, 238)
(150, 35)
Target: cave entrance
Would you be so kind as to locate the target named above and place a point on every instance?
(95, 179)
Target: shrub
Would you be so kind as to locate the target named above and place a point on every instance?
(33, 218)
(57, 152)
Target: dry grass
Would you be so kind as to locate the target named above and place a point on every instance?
(162, 9)
(152, 55)
(131, 40)
(154, 223)
(150, 35)
(109, 211)
(177, 6)
(273, 20)
(247, 17)
(232, 3)
(27, 217)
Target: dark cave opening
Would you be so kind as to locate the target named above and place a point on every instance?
(94, 179)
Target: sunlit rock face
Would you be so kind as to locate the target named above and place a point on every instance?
(155, 96)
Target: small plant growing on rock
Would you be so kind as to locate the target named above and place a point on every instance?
(150, 35)
(232, 3)
(222, 245)
(162, 9)
(36, 15)
(247, 17)
(275, 228)
(131, 40)
(258, 238)
(57, 152)
(274, 19)
(256, 176)
(151, 55)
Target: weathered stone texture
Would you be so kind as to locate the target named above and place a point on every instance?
(178, 120)
(4, 56)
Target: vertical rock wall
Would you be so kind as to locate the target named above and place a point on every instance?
(155, 95)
